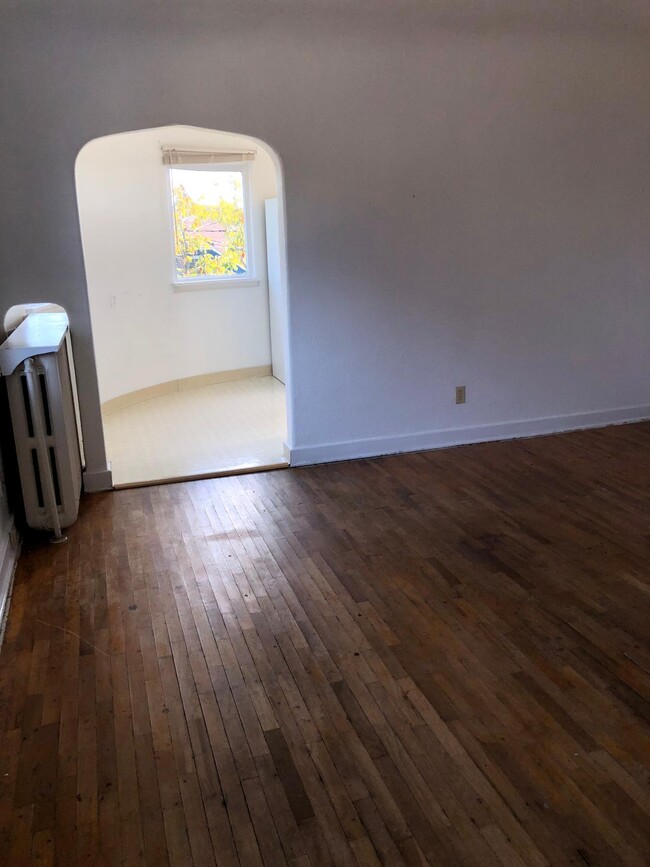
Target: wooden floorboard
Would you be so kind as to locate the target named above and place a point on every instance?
(437, 658)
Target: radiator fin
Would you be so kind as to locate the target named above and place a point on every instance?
(55, 477)
(37, 480)
(46, 405)
(27, 405)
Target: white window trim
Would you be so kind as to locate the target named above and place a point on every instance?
(197, 284)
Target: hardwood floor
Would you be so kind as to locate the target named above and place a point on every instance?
(436, 658)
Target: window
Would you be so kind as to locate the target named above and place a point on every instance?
(210, 220)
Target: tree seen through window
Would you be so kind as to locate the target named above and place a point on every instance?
(209, 227)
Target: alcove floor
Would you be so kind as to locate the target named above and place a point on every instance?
(226, 427)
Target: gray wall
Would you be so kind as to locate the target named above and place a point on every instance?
(467, 202)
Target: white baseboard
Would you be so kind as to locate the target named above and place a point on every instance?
(173, 385)
(8, 560)
(99, 480)
(376, 446)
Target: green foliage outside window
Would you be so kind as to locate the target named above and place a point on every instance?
(195, 251)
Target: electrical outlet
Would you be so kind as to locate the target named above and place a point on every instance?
(460, 394)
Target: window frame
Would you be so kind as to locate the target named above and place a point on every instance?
(212, 281)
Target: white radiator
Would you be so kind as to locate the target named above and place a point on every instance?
(36, 360)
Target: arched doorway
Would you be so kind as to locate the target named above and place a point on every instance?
(183, 238)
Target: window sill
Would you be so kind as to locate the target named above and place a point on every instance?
(227, 283)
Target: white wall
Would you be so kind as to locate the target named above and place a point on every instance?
(467, 196)
(145, 333)
(277, 280)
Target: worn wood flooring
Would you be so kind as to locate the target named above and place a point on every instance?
(436, 658)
